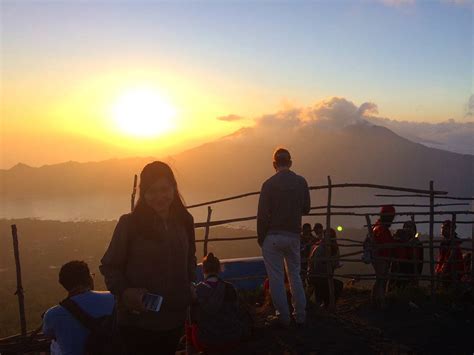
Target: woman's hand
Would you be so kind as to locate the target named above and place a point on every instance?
(132, 299)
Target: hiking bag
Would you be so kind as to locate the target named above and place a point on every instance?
(367, 256)
(103, 335)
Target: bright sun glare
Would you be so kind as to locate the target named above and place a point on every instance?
(143, 112)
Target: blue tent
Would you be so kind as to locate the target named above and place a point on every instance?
(243, 273)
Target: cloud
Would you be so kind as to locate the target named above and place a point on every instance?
(230, 118)
(397, 3)
(458, 2)
(336, 113)
(405, 3)
(332, 113)
(449, 135)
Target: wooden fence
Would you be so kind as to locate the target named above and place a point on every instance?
(29, 341)
(429, 193)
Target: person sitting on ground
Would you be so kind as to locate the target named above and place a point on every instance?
(317, 268)
(307, 240)
(450, 266)
(214, 325)
(381, 263)
(318, 232)
(59, 323)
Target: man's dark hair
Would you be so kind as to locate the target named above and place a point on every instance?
(318, 226)
(211, 264)
(74, 274)
(282, 157)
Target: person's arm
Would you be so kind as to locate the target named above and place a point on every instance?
(114, 260)
(48, 325)
(263, 213)
(306, 198)
(192, 261)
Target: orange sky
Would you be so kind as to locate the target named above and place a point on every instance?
(64, 67)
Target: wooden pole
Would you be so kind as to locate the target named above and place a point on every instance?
(206, 235)
(328, 249)
(19, 286)
(451, 259)
(432, 261)
(472, 245)
(134, 192)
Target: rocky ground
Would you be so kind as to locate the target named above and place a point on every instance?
(405, 327)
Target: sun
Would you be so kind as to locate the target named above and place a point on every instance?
(143, 113)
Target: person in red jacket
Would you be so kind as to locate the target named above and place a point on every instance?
(382, 235)
(409, 256)
(450, 265)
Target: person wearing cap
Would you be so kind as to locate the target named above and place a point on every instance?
(450, 266)
(152, 251)
(284, 199)
(382, 235)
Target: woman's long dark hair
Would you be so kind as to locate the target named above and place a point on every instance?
(142, 214)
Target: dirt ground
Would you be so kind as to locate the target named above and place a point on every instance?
(405, 327)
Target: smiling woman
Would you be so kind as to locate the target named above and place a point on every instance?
(143, 112)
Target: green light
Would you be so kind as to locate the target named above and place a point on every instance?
(339, 228)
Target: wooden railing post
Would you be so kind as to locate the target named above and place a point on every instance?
(431, 230)
(134, 192)
(452, 259)
(206, 235)
(328, 249)
(472, 244)
(19, 286)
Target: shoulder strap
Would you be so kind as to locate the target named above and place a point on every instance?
(78, 313)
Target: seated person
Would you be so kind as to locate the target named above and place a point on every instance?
(214, 325)
(318, 267)
(69, 334)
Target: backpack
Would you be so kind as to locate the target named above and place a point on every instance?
(367, 256)
(246, 320)
(103, 337)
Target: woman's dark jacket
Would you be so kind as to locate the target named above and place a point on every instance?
(156, 257)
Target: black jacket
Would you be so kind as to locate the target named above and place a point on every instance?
(284, 199)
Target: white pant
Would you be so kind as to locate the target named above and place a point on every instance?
(278, 249)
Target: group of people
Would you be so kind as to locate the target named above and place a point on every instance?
(150, 265)
(149, 269)
(398, 258)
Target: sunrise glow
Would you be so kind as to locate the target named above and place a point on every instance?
(143, 112)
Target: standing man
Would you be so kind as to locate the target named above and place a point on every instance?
(284, 199)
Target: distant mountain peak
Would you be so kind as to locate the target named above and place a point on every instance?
(20, 167)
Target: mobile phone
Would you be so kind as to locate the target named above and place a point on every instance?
(152, 302)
